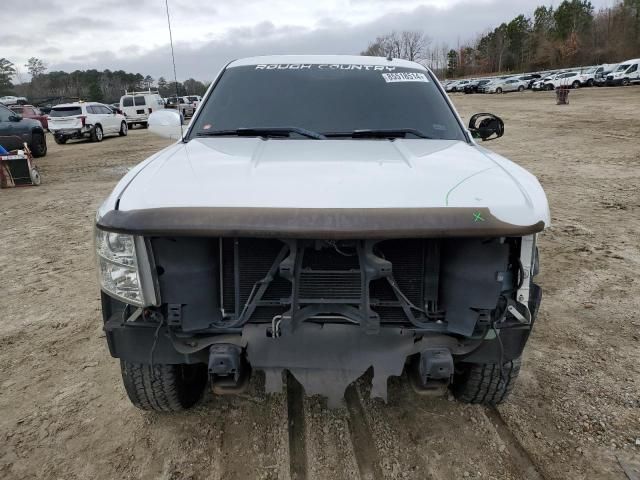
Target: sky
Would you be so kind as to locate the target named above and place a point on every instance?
(132, 35)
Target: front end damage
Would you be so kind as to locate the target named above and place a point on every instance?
(327, 310)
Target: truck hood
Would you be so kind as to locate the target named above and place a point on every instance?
(251, 173)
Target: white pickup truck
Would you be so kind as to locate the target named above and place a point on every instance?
(321, 215)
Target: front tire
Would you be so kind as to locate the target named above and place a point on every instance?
(38, 145)
(163, 387)
(521, 88)
(482, 383)
(548, 87)
(590, 82)
(576, 84)
(123, 129)
(96, 134)
(498, 90)
(60, 140)
(625, 82)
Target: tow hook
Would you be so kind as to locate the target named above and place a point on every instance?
(228, 370)
(431, 373)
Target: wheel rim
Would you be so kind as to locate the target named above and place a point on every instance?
(124, 128)
(35, 176)
(499, 90)
(99, 133)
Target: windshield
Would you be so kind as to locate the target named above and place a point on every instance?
(328, 98)
(65, 111)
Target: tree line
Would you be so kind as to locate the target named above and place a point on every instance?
(91, 85)
(573, 34)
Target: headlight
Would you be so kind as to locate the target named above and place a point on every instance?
(124, 268)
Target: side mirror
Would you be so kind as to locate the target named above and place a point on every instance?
(166, 123)
(15, 117)
(485, 126)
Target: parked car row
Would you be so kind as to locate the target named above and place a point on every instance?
(624, 73)
(77, 120)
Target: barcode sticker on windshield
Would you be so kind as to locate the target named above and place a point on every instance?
(404, 77)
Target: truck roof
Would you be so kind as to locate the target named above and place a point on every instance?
(322, 59)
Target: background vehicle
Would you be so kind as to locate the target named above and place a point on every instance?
(539, 84)
(529, 79)
(85, 120)
(15, 130)
(506, 85)
(626, 73)
(13, 100)
(587, 76)
(473, 86)
(194, 100)
(565, 79)
(457, 86)
(137, 106)
(29, 111)
(422, 265)
(181, 104)
(600, 78)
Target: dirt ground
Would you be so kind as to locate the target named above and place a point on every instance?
(575, 412)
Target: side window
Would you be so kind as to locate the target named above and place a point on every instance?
(106, 110)
(139, 100)
(127, 102)
(90, 109)
(5, 113)
(633, 68)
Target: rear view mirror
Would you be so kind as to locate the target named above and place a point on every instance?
(166, 123)
(485, 126)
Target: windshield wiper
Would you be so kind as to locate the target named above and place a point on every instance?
(380, 133)
(263, 132)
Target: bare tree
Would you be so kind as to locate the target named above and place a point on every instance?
(410, 45)
(414, 45)
(35, 67)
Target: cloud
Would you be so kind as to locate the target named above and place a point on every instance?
(13, 39)
(75, 25)
(132, 35)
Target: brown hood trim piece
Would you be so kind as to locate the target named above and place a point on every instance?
(316, 223)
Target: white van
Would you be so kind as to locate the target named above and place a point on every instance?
(626, 73)
(137, 106)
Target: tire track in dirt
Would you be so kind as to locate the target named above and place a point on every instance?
(518, 453)
(296, 424)
(363, 445)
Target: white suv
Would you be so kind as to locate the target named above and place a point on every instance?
(85, 120)
(563, 80)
